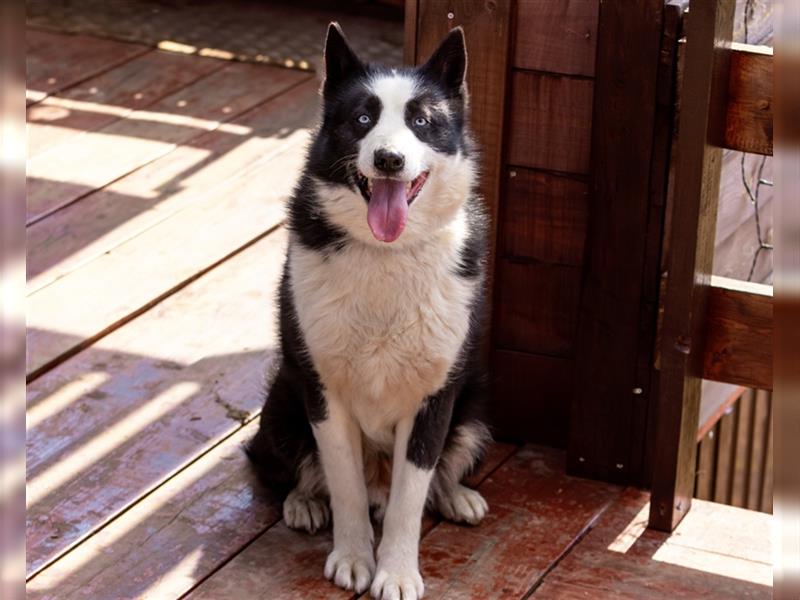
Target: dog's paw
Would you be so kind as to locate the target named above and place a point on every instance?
(397, 584)
(463, 505)
(308, 513)
(350, 570)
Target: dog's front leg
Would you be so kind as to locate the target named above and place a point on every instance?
(351, 563)
(418, 444)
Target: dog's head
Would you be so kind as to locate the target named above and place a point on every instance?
(393, 156)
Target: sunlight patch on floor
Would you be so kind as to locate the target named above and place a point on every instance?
(110, 438)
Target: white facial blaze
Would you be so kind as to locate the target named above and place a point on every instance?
(391, 131)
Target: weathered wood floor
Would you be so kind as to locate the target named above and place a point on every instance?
(156, 190)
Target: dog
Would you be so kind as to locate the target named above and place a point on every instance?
(378, 398)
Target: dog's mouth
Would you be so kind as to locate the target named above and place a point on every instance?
(387, 203)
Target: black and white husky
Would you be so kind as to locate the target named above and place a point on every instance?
(377, 401)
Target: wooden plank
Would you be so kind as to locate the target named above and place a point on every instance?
(487, 30)
(748, 112)
(169, 540)
(254, 573)
(88, 303)
(629, 149)
(717, 552)
(552, 122)
(56, 61)
(704, 488)
(531, 395)
(559, 37)
(101, 100)
(543, 217)
(767, 483)
(722, 482)
(536, 515)
(59, 178)
(758, 449)
(103, 220)
(738, 345)
(158, 393)
(689, 268)
(742, 440)
(537, 307)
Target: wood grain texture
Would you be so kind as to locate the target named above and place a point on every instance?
(628, 182)
(705, 557)
(160, 391)
(98, 101)
(738, 345)
(551, 122)
(171, 539)
(544, 217)
(537, 306)
(100, 222)
(537, 514)
(255, 572)
(59, 178)
(56, 61)
(748, 111)
(558, 37)
(689, 265)
(133, 276)
(531, 396)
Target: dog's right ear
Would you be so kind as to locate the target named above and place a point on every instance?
(341, 63)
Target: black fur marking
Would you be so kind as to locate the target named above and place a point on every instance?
(444, 121)
(472, 259)
(430, 429)
(309, 223)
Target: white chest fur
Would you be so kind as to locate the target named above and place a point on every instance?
(383, 326)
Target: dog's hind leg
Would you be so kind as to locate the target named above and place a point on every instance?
(306, 507)
(453, 500)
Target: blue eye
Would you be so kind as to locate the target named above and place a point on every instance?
(420, 121)
(364, 119)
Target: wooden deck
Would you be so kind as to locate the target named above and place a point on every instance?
(156, 190)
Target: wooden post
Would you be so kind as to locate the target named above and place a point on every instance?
(690, 261)
(631, 140)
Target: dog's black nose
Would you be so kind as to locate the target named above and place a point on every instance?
(387, 161)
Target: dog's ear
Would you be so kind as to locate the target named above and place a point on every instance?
(448, 64)
(341, 62)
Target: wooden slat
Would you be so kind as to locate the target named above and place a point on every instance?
(59, 178)
(101, 100)
(718, 552)
(537, 306)
(706, 459)
(56, 61)
(722, 481)
(559, 37)
(255, 574)
(743, 440)
(531, 396)
(171, 539)
(552, 122)
(103, 220)
(630, 143)
(95, 299)
(543, 217)
(112, 423)
(758, 449)
(738, 346)
(537, 514)
(748, 112)
(487, 29)
(689, 266)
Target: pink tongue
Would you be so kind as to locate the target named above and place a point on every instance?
(387, 209)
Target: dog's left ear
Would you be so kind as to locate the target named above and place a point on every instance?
(448, 65)
(341, 62)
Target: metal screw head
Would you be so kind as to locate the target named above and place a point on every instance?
(451, 16)
(620, 466)
(581, 459)
(637, 391)
(512, 173)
